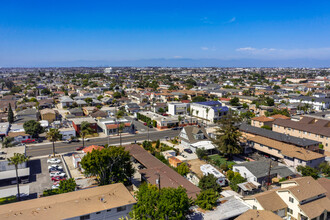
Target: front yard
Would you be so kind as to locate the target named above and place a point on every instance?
(218, 160)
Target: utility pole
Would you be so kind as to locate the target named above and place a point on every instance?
(270, 167)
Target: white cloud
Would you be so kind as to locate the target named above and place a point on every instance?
(285, 53)
(245, 49)
(204, 48)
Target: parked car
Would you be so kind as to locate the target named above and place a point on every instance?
(2, 152)
(53, 160)
(87, 139)
(188, 151)
(75, 140)
(176, 128)
(58, 178)
(55, 169)
(67, 142)
(29, 141)
(145, 123)
(55, 166)
(79, 148)
(61, 174)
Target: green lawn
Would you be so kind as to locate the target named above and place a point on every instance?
(7, 200)
(222, 160)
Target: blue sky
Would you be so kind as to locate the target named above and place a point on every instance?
(37, 33)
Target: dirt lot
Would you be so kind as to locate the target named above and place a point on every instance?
(195, 166)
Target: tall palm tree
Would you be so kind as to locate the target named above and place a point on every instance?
(53, 135)
(180, 119)
(16, 160)
(85, 130)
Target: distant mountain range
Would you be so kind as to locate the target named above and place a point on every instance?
(186, 62)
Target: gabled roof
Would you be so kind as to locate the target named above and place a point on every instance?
(261, 168)
(269, 200)
(191, 131)
(303, 142)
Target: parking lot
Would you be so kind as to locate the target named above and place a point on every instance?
(39, 178)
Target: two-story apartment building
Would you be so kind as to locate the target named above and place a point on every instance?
(314, 128)
(111, 202)
(301, 198)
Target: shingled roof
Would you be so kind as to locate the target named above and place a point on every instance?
(301, 142)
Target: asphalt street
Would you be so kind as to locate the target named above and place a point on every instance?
(46, 149)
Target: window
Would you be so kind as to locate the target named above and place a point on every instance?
(98, 213)
(122, 208)
(291, 199)
(109, 210)
(85, 217)
(290, 211)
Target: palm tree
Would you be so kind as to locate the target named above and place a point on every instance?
(228, 136)
(53, 135)
(85, 130)
(16, 160)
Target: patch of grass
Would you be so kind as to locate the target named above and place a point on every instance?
(217, 159)
(7, 200)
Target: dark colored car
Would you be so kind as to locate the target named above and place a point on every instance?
(176, 128)
(188, 151)
(54, 169)
(80, 148)
(75, 140)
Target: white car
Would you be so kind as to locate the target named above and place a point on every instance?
(56, 186)
(55, 166)
(53, 160)
(52, 174)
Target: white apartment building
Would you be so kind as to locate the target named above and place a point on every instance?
(177, 108)
(211, 111)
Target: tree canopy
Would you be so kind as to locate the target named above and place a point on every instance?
(109, 165)
(183, 169)
(166, 203)
(209, 182)
(308, 171)
(227, 136)
(33, 128)
(207, 199)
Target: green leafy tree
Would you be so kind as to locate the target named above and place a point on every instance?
(33, 128)
(201, 153)
(53, 135)
(228, 135)
(68, 185)
(10, 114)
(236, 179)
(183, 169)
(85, 129)
(198, 99)
(266, 127)
(109, 165)
(308, 171)
(234, 101)
(16, 160)
(209, 182)
(207, 199)
(164, 203)
(117, 95)
(157, 144)
(7, 142)
(325, 168)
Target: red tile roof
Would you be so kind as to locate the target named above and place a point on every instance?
(91, 148)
